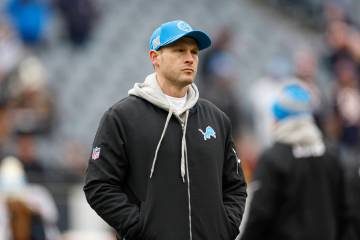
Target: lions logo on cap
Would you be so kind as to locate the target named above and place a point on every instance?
(183, 26)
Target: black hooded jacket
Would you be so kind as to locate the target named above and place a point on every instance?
(208, 205)
(297, 198)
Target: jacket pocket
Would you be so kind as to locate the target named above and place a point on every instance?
(143, 225)
(232, 230)
(136, 231)
(141, 221)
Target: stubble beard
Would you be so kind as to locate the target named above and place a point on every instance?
(181, 81)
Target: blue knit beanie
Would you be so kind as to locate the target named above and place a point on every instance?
(294, 100)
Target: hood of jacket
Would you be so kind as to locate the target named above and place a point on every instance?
(302, 133)
(151, 92)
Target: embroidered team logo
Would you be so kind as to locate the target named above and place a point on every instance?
(183, 26)
(95, 153)
(209, 132)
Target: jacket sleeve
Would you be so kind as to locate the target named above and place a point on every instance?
(104, 180)
(265, 191)
(234, 186)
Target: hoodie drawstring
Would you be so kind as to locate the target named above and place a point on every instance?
(161, 138)
(183, 147)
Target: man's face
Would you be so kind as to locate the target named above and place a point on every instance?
(177, 63)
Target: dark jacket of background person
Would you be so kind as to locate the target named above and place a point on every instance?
(208, 202)
(80, 17)
(298, 184)
(353, 194)
(299, 198)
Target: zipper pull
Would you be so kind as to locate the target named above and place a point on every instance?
(237, 161)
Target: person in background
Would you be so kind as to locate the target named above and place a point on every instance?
(32, 100)
(27, 211)
(5, 128)
(306, 68)
(346, 132)
(342, 43)
(27, 154)
(219, 78)
(30, 18)
(11, 53)
(261, 96)
(80, 17)
(299, 190)
(345, 121)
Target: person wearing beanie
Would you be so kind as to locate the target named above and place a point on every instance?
(164, 164)
(298, 186)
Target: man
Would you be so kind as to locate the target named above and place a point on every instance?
(298, 184)
(164, 165)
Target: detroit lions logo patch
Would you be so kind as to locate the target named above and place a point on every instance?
(209, 132)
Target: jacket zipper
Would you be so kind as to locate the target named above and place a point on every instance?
(237, 159)
(188, 189)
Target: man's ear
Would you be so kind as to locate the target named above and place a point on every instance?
(154, 57)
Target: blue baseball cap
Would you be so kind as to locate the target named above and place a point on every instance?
(294, 100)
(170, 32)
